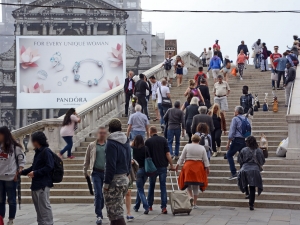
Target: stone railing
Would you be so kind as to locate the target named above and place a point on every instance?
(94, 113)
(293, 119)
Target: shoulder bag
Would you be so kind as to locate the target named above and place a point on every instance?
(150, 168)
(165, 101)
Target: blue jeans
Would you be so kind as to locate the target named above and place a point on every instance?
(257, 61)
(68, 147)
(171, 134)
(141, 179)
(8, 188)
(98, 178)
(237, 145)
(135, 133)
(162, 112)
(162, 174)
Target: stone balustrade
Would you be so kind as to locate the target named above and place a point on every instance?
(293, 119)
(94, 113)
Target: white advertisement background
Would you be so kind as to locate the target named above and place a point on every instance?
(69, 55)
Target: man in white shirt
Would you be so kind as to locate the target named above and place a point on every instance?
(162, 91)
(169, 69)
(154, 87)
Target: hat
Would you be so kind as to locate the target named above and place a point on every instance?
(226, 57)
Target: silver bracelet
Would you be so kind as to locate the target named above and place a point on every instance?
(89, 82)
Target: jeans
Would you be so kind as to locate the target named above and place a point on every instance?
(69, 141)
(251, 195)
(143, 102)
(171, 134)
(8, 188)
(257, 61)
(141, 179)
(128, 96)
(135, 133)
(162, 112)
(162, 174)
(237, 145)
(98, 178)
(280, 74)
(216, 138)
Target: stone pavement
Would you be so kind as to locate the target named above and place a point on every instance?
(79, 214)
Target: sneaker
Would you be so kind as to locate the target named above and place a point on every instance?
(150, 208)
(219, 149)
(251, 208)
(71, 157)
(195, 207)
(233, 177)
(99, 220)
(215, 154)
(247, 197)
(135, 209)
(175, 157)
(146, 212)
(130, 218)
(11, 222)
(273, 88)
(241, 78)
(164, 211)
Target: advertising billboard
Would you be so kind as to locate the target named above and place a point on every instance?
(67, 71)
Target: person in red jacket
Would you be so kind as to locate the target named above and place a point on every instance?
(199, 75)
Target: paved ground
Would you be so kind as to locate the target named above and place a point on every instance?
(74, 214)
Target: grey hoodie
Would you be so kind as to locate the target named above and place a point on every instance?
(8, 165)
(118, 156)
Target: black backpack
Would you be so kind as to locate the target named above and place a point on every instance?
(58, 170)
(247, 102)
(168, 64)
(295, 60)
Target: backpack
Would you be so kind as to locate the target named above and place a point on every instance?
(247, 102)
(269, 53)
(58, 170)
(246, 127)
(168, 64)
(294, 59)
(265, 107)
(206, 142)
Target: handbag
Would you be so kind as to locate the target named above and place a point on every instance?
(150, 168)
(234, 71)
(165, 101)
(134, 170)
(274, 76)
(253, 55)
(185, 71)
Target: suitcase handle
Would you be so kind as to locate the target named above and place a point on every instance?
(171, 178)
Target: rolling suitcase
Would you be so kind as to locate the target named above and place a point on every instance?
(179, 200)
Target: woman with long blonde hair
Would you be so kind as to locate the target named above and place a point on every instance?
(220, 125)
(179, 64)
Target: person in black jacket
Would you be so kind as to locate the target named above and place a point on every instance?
(247, 100)
(140, 92)
(128, 90)
(190, 112)
(117, 169)
(205, 92)
(41, 174)
(243, 47)
(291, 75)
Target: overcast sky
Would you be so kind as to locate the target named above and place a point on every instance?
(194, 31)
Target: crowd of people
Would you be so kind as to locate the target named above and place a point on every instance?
(116, 159)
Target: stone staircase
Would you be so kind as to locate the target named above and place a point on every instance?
(281, 177)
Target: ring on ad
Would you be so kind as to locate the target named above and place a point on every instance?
(89, 82)
(55, 61)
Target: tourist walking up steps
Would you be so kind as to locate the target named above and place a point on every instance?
(128, 90)
(95, 161)
(196, 92)
(220, 125)
(169, 69)
(190, 112)
(188, 101)
(140, 92)
(290, 78)
(195, 170)
(273, 57)
(140, 152)
(159, 152)
(203, 57)
(209, 56)
(264, 58)
(155, 85)
(41, 174)
(69, 125)
(117, 169)
(12, 162)
(179, 64)
(176, 126)
(162, 92)
(205, 92)
(240, 61)
(251, 160)
(215, 66)
(221, 91)
(256, 47)
(236, 139)
(280, 69)
(202, 118)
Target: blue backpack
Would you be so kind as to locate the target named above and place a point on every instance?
(246, 127)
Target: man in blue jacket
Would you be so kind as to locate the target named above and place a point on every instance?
(41, 174)
(215, 66)
(117, 169)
